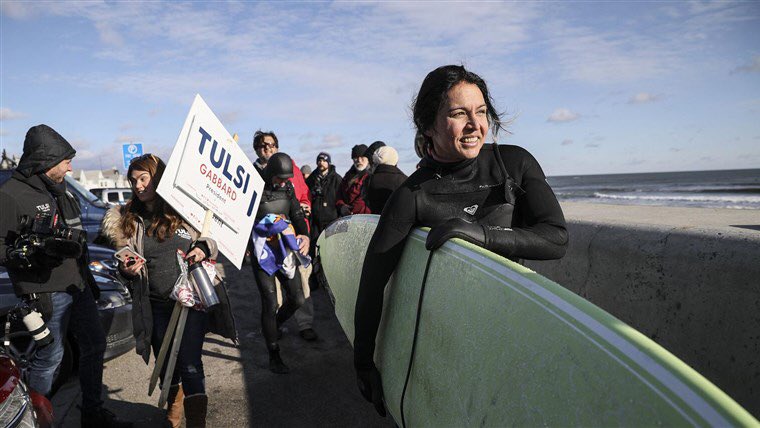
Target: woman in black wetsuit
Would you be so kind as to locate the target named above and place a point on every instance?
(279, 198)
(496, 197)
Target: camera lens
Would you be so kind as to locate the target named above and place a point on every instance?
(37, 327)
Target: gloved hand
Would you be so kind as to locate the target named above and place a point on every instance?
(371, 387)
(455, 228)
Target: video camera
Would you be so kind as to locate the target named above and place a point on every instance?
(43, 233)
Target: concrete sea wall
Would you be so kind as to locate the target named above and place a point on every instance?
(688, 278)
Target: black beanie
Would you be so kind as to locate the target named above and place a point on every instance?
(325, 156)
(358, 151)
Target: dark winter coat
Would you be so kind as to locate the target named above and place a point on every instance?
(350, 192)
(220, 319)
(324, 191)
(379, 186)
(25, 193)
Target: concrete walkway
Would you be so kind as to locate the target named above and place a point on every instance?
(320, 390)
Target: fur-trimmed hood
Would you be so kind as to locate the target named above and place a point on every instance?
(111, 230)
(113, 236)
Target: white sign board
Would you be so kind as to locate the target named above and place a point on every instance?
(209, 171)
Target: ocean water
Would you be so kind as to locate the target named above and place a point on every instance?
(736, 189)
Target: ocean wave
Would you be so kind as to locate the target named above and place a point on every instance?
(588, 190)
(715, 189)
(712, 189)
(725, 199)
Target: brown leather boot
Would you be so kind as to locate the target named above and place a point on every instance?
(174, 407)
(195, 410)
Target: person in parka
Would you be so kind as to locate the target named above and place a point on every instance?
(385, 178)
(323, 185)
(148, 226)
(57, 274)
(349, 200)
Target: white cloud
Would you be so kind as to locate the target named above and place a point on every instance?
(669, 39)
(8, 114)
(563, 115)
(127, 139)
(108, 34)
(301, 47)
(644, 97)
(15, 9)
(592, 145)
(331, 67)
(154, 85)
(332, 140)
(230, 117)
(590, 55)
(751, 67)
(329, 141)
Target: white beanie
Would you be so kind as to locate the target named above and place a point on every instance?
(385, 155)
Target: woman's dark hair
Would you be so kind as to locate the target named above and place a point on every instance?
(165, 220)
(258, 139)
(433, 93)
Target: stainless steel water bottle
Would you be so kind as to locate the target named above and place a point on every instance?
(203, 285)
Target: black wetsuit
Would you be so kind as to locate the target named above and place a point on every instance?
(510, 198)
(280, 201)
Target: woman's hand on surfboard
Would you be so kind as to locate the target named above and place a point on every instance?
(455, 228)
(371, 387)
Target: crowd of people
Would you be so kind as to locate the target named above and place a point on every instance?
(310, 200)
(495, 196)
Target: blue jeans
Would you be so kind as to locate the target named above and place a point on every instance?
(189, 368)
(78, 311)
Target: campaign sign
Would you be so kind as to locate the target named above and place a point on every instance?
(131, 151)
(209, 171)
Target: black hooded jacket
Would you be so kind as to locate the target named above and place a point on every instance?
(324, 191)
(27, 194)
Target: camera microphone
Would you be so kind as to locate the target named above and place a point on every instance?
(57, 247)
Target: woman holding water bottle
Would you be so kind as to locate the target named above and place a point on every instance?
(155, 233)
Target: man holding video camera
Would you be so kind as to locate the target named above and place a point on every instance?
(43, 246)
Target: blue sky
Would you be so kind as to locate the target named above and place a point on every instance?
(590, 87)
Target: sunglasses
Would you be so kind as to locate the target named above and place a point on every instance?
(265, 146)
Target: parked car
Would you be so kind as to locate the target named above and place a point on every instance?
(93, 209)
(20, 406)
(115, 196)
(114, 309)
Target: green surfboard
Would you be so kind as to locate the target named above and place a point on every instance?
(499, 344)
